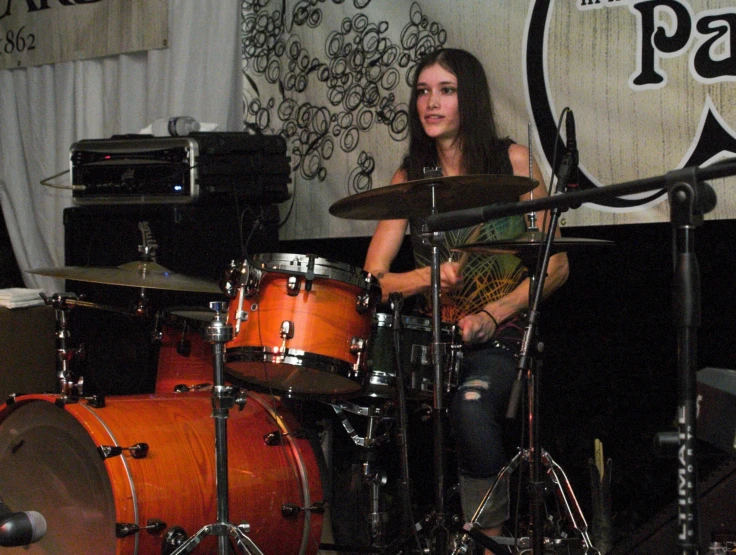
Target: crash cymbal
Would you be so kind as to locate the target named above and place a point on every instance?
(414, 198)
(526, 246)
(133, 274)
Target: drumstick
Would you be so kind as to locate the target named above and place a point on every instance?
(464, 256)
(599, 462)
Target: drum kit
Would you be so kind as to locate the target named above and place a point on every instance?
(138, 474)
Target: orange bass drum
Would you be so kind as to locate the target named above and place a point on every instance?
(52, 460)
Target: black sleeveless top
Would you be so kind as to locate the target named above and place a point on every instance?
(486, 278)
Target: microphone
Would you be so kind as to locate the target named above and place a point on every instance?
(22, 528)
(178, 126)
(572, 148)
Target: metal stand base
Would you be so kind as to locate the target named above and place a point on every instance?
(558, 482)
(223, 530)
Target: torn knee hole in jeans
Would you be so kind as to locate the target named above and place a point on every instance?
(471, 389)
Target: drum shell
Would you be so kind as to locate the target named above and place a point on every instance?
(327, 318)
(192, 365)
(48, 453)
(416, 357)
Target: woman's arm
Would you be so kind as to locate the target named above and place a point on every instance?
(480, 327)
(384, 246)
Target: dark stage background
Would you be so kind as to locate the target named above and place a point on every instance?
(609, 362)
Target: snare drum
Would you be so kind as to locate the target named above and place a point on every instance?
(416, 357)
(306, 327)
(55, 460)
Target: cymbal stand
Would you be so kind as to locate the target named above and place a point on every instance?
(439, 535)
(528, 365)
(224, 398)
(68, 383)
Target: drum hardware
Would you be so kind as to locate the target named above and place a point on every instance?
(397, 302)
(293, 285)
(277, 437)
(357, 348)
(241, 280)
(173, 538)
(153, 526)
(564, 493)
(223, 399)
(373, 413)
(137, 451)
(183, 345)
(286, 332)
(373, 476)
(184, 388)
(439, 534)
(528, 366)
(68, 382)
(289, 510)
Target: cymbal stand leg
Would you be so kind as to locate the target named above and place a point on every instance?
(68, 384)
(223, 399)
(568, 499)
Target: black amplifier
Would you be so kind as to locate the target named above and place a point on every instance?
(201, 167)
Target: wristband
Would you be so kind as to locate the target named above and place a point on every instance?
(495, 322)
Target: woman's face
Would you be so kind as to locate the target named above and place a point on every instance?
(437, 103)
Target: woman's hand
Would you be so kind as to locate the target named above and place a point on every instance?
(477, 328)
(450, 277)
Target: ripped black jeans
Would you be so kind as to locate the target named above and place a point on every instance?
(479, 406)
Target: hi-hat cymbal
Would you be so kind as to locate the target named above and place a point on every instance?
(133, 274)
(414, 198)
(526, 246)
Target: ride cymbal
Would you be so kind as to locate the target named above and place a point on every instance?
(526, 246)
(414, 198)
(133, 274)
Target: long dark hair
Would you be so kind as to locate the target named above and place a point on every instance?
(477, 133)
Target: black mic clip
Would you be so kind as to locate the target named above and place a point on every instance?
(565, 174)
(397, 302)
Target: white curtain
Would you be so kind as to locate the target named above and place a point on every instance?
(44, 110)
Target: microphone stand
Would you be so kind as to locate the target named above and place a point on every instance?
(528, 364)
(685, 214)
(690, 199)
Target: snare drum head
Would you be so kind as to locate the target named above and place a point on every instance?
(50, 465)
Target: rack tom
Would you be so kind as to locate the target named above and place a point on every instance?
(302, 328)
